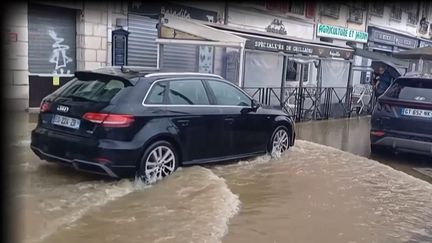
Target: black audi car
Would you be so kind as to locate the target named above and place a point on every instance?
(402, 118)
(122, 123)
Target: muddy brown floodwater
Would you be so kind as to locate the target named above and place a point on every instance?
(313, 193)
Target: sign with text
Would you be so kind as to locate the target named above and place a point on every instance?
(425, 43)
(164, 7)
(387, 37)
(341, 33)
(296, 48)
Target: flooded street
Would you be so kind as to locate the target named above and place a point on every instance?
(313, 193)
(352, 135)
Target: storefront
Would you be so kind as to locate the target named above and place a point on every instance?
(210, 50)
(143, 18)
(352, 37)
(52, 49)
(273, 60)
(388, 42)
(425, 43)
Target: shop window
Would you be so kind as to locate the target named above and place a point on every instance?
(424, 25)
(297, 7)
(277, 5)
(330, 10)
(355, 15)
(310, 9)
(412, 18)
(365, 78)
(396, 13)
(293, 72)
(377, 8)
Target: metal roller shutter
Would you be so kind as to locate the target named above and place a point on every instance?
(52, 35)
(142, 48)
(182, 58)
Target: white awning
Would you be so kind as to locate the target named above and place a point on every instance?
(183, 31)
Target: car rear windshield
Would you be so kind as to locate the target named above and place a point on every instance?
(96, 89)
(411, 90)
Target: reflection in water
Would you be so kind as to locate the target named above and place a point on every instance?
(352, 135)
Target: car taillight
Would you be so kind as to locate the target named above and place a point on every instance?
(45, 106)
(109, 120)
(377, 133)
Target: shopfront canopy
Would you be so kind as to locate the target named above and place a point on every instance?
(271, 42)
(395, 64)
(375, 56)
(424, 53)
(175, 30)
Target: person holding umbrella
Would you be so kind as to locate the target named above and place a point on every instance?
(382, 80)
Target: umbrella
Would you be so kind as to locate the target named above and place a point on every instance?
(424, 53)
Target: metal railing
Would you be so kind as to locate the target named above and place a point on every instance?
(316, 103)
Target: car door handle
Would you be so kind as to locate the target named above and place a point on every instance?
(229, 120)
(183, 123)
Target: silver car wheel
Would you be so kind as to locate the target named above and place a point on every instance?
(280, 143)
(160, 162)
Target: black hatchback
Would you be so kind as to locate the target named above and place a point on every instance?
(402, 118)
(121, 123)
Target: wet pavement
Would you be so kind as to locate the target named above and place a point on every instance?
(352, 135)
(313, 193)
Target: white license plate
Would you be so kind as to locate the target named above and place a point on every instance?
(66, 121)
(416, 112)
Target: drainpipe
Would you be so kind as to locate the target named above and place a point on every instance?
(241, 68)
(109, 35)
(366, 28)
(226, 13)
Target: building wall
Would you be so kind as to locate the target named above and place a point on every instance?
(92, 32)
(93, 41)
(16, 61)
(217, 6)
(342, 21)
(426, 11)
(259, 20)
(397, 26)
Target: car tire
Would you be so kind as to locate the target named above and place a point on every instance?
(279, 141)
(159, 160)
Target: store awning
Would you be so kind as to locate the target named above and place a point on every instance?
(375, 56)
(258, 40)
(182, 31)
(424, 53)
(398, 67)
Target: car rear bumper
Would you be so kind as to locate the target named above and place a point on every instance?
(84, 154)
(80, 165)
(403, 144)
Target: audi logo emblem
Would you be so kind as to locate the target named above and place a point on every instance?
(62, 108)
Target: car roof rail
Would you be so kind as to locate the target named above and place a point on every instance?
(126, 69)
(182, 74)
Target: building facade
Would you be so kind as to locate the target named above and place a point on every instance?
(48, 42)
(288, 43)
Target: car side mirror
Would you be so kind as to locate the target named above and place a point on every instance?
(255, 105)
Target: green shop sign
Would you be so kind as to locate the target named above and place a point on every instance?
(341, 33)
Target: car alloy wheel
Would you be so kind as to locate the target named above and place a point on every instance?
(159, 160)
(280, 142)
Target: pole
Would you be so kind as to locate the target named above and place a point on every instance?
(241, 68)
(349, 90)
